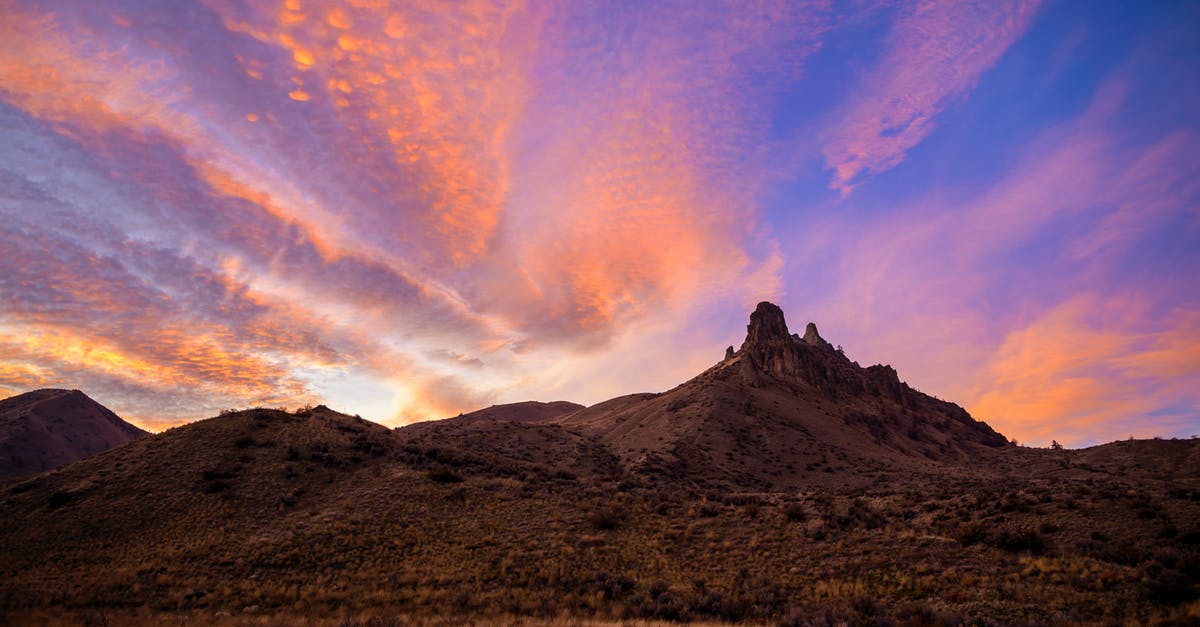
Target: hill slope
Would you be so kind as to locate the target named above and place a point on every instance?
(49, 428)
(785, 485)
(527, 411)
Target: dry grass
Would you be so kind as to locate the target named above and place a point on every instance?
(325, 519)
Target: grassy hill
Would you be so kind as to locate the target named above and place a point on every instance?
(318, 514)
(785, 485)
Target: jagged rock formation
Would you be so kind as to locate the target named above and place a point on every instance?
(775, 412)
(48, 428)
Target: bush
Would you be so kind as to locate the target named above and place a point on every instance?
(59, 499)
(1166, 585)
(606, 518)
(1017, 540)
(795, 513)
(972, 534)
(443, 475)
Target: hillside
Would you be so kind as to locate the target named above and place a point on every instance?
(46, 429)
(526, 411)
(784, 485)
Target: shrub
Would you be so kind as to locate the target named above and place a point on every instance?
(606, 518)
(443, 474)
(59, 499)
(1165, 585)
(972, 534)
(215, 486)
(795, 513)
(1017, 540)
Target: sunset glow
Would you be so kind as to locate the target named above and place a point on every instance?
(406, 210)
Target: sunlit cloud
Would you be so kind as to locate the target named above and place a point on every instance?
(408, 210)
(935, 54)
(1087, 368)
(945, 288)
(416, 257)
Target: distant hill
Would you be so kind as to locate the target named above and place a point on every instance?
(527, 411)
(49, 428)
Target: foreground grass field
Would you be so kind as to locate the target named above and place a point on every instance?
(264, 517)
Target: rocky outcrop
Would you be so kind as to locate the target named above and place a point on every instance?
(809, 362)
(768, 346)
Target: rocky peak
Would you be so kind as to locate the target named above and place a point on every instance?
(768, 344)
(811, 336)
(766, 326)
(792, 359)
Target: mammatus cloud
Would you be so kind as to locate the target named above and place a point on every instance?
(934, 55)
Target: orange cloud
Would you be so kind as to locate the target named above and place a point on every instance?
(1085, 365)
(446, 98)
(193, 361)
(250, 237)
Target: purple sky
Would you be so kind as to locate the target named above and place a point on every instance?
(406, 210)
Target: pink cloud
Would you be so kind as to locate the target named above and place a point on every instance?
(952, 289)
(338, 192)
(934, 55)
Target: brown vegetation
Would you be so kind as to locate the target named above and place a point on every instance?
(729, 499)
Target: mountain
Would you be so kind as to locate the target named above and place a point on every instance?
(784, 485)
(786, 411)
(49, 428)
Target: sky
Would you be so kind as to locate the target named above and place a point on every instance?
(406, 210)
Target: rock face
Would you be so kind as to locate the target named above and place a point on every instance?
(768, 345)
(48, 428)
(811, 337)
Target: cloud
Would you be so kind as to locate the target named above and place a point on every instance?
(431, 205)
(635, 189)
(935, 53)
(945, 285)
(1087, 368)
